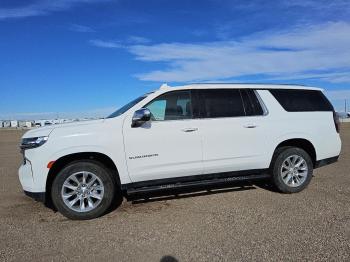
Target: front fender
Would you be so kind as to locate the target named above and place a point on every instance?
(124, 177)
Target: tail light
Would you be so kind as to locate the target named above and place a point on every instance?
(336, 121)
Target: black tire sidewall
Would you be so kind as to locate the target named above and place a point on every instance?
(91, 166)
(280, 156)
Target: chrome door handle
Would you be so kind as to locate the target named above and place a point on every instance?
(250, 126)
(190, 129)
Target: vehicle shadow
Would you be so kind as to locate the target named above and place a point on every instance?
(168, 259)
(170, 194)
(267, 185)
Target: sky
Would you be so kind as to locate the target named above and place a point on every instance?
(74, 58)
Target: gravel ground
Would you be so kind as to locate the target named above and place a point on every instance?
(238, 223)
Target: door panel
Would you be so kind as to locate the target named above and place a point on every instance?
(232, 144)
(163, 150)
(169, 145)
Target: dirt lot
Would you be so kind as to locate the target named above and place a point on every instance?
(250, 223)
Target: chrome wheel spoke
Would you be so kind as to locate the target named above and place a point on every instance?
(287, 178)
(284, 173)
(93, 179)
(298, 162)
(75, 179)
(90, 203)
(70, 186)
(82, 204)
(95, 188)
(302, 174)
(85, 175)
(95, 195)
(68, 195)
(75, 200)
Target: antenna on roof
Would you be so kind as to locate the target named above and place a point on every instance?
(164, 86)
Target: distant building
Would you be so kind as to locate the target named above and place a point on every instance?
(38, 123)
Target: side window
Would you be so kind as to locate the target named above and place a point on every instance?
(220, 103)
(294, 100)
(252, 105)
(174, 105)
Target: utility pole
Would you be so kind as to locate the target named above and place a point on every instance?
(346, 107)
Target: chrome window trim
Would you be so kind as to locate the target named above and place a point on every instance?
(262, 104)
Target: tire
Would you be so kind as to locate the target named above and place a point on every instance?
(92, 197)
(294, 177)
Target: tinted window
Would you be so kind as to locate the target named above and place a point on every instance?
(252, 105)
(220, 103)
(302, 100)
(171, 106)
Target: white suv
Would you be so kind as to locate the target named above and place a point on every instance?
(182, 137)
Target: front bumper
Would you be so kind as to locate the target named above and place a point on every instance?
(37, 196)
(25, 174)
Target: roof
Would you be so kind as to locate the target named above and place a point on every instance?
(238, 86)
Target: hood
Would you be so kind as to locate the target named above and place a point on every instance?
(47, 130)
(42, 131)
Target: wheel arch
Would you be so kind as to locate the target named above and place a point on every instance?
(302, 143)
(70, 158)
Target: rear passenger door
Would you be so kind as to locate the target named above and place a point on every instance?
(232, 130)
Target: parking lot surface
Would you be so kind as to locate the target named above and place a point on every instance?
(249, 222)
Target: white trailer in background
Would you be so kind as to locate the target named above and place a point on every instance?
(29, 124)
(6, 124)
(13, 123)
(43, 122)
(24, 124)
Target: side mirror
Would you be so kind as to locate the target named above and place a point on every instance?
(140, 117)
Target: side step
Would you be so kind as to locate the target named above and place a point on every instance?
(131, 190)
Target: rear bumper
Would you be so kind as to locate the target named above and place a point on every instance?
(37, 196)
(326, 161)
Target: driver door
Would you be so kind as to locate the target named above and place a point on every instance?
(169, 145)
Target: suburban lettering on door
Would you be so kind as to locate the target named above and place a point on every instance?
(143, 156)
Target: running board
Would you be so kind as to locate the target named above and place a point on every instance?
(132, 189)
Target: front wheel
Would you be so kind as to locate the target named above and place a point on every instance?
(83, 190)
(292, 169)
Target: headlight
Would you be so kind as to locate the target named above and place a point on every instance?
(33, 142)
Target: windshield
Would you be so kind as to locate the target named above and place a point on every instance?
(125, 108)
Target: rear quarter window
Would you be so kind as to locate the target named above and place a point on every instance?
(293, 100)
(252, 105)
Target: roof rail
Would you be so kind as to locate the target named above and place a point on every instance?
(213, 83)
(164, 86)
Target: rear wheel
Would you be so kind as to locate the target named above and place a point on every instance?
(292, 169)
(83, 190)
